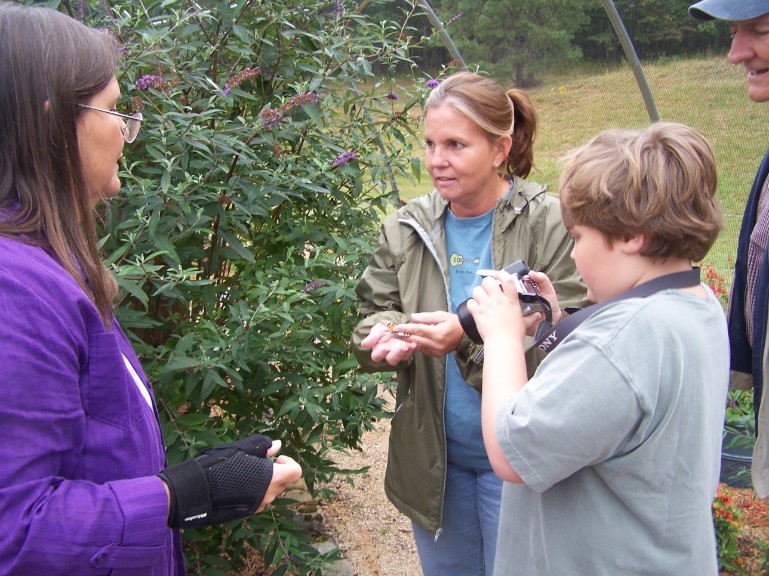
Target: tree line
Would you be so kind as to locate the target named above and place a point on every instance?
(517, 39)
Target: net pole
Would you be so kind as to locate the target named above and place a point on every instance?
(632, 57)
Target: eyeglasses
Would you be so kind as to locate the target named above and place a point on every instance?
(132, 122)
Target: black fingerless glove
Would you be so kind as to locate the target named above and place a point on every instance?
(221, 483)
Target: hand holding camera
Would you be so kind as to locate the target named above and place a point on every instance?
(529, 298)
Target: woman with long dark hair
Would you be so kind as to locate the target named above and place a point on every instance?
(84, 487)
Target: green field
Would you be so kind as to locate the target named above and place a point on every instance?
(707, 93)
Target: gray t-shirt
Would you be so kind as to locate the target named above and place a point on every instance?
(617, 438)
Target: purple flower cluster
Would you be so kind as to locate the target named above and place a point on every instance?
(237, 79)
(338, 9)
(391, 96)
(432, 83)
(146, 81)
(152, 81)
(271, 117)
(314, 284)
(306, 98)
(344, 158)
(454, 18)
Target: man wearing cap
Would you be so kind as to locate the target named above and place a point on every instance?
(749, 301)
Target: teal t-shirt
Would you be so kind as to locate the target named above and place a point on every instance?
(468, 244)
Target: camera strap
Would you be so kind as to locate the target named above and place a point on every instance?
(549, 339)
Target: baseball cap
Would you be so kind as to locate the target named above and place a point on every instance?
(732, 10)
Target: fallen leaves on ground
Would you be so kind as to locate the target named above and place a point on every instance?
(754, 524)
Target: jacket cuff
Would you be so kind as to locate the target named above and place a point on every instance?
(470, 366)
(144, 503)
(466, 350)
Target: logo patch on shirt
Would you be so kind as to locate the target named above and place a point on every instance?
(457, 260)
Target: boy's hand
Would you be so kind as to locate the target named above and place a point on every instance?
(547, 291)
(497, 313)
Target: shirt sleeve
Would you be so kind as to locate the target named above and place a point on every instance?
(55, 519)
(578, 410)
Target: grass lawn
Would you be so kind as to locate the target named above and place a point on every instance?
(707, 93)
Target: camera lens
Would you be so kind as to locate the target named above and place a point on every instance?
(467, 322)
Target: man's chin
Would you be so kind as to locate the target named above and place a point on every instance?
(759, 93)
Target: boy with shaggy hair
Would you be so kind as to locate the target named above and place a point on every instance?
(611, 451)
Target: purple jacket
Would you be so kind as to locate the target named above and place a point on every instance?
(79, 445)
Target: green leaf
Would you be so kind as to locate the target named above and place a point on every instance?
(416, 168)
(133, 289)
(238, 246)
(180, 363)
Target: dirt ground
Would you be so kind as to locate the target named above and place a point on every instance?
(370, 533)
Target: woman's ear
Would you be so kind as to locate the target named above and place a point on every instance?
(504, 144)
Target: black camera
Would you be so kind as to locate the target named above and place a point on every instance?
(528, 296)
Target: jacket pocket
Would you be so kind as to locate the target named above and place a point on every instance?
(107, 393)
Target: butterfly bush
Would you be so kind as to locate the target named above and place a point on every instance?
(249, 208)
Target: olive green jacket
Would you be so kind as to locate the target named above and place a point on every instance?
(408, 272)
